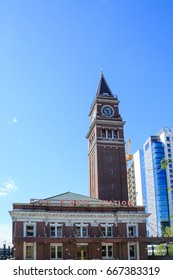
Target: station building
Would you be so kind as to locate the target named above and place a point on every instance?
(104, 225)
(72, 226)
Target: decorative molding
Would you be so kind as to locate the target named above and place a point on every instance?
(70, 218)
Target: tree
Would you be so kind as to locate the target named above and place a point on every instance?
(164, 163)
(163, 249)
(160, 250)
(168, 232)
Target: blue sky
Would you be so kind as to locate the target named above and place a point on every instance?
(51, 55)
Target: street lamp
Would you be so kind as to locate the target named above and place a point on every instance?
(152, 248)
(9, 250)
(4, 249)
(166, 246)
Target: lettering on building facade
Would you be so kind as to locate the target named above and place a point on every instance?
(73, 202)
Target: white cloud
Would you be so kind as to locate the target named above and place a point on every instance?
(2, 193)
(13, 120)
(7, 187)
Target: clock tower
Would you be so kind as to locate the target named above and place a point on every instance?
(106, 155)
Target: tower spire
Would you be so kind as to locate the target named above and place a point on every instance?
(103, 88)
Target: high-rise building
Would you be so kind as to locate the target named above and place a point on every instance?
(166, 136)
(152, 183)
(135, 179)
(131, 182)
(156, 186)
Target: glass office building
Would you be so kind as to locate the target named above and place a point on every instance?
(166, 137)
(156, 187)
(154, 183)
(161, 194)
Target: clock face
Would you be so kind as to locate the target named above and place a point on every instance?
(107, 111)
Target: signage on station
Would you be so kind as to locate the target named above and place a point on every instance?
(72, 202)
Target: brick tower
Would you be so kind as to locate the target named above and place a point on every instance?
(106, 156)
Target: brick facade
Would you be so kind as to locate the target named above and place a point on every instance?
(85, 232)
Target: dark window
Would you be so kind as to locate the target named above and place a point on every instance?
(29, 230)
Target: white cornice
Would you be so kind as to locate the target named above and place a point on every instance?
(69, 218)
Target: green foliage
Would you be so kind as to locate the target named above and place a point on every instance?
(170, 249)
(164, 163)
(160, 250)
(168, 232)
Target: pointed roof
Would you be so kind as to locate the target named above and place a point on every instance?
(103, 88)
(69, 196)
